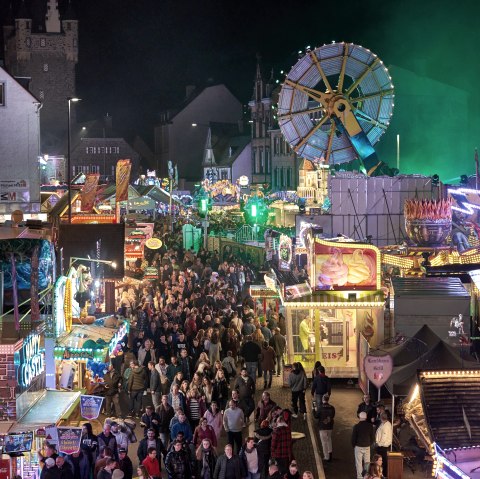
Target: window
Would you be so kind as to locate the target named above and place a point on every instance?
(289, 177)
(224, 174)
(45, 67)
(41, 95)
(43, 42)
(2, 94)
(254, 159)
(262, 161)
(267, 160)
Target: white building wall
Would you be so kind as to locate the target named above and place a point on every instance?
(19, 147)
(242, 165)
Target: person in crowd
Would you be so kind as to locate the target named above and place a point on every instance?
(165, 414)
(326, 416)
(214, 418)
(155, 384)
(80, 464)
(321, 385)
(268, 364)
(125, 464)
(363, 437)
(107, 471)
(202, 431)
(150, 420)
(177, 462)
(121, 437)
(220, 389)
(147, 443)
(228, 465)
(293, 472)
(136, 387)
(206, 459)
(107, 439)
(383, 438)
(176, 399)
(308, 475)
(250, 459)
(50, 451)
(250, 351)
(375, 469)
(111, 382)
(233, 421)
(49, 470)
(65, 470)
(245, 386)
(297, 381)
(263, 436)
(152, 464)
(101, 462)
(181, 425)
(367, 406)
(279, 345)
(264, 407)
(282, 444)
(142, 473)
(274, 470)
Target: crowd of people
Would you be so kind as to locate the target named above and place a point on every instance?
(189, 373)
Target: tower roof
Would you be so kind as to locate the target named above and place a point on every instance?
(23, 11)
(70, 13)
(9, 17)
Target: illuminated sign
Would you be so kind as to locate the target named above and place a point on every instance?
(345, 266)
(32, 362)
(153, 243)
(285, 253)
(465, 200)
(243, 181)
(378, 368)
(122, 331)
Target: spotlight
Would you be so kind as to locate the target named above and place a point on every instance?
(435, 180)
(464, 180)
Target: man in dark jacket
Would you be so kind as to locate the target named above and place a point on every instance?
(321, 385)
(245, 386)
(125, 464)
(228, 465)
(250, 352)
(150, 420)
(177, 462)
(363, 437)
(325, 424)
(107, 439)
(136, 386)
(111, 381)
(368, 407)
(65, 470)
(155, 384)
(80, 465)
(106, 472)
(150, 441)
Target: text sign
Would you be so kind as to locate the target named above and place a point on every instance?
(90, 406)
(378, 369)
(69, 439)
(32, 362)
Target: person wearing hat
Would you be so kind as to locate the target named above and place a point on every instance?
(50, 470)
(325, 425)
(125, 463)
(273, 471)
(292, 472)
(363, 437)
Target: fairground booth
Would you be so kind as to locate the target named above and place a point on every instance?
(342, 315)
(443, 410)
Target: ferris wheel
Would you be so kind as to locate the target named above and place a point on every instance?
(335, 104)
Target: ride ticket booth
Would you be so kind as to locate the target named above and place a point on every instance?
(344, 309)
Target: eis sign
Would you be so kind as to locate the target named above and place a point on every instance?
(31, 362)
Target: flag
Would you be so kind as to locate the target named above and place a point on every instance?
(122, 180)
(16, 313)
(88, 191)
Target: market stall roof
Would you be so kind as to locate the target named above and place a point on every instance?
(156, 194)
(52, 406)
(440, 357)
(450, 401)
(410, 287)
(82, 333)
(107, 192)
(338, 298)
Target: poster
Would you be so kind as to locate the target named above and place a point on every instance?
(89, 191)
(346, 267)
(69, 439)
(90, 406)
(122, 178)
(51, 435)
(378, 369)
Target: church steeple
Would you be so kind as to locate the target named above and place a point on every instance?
(52, 18)
(258, 89)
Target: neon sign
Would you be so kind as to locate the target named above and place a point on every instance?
(32, 362)
(467, 200)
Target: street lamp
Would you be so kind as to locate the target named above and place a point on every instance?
(69, 166)
(74, 259)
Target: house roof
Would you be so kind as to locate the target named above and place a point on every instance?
(306, 165)
(225, 142)
(155, 193)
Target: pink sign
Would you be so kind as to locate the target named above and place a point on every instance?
(378, 369)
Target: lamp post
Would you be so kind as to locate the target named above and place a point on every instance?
(69, 166)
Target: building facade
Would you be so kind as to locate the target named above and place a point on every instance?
(180, 136)
(42, 48)
(19, 147)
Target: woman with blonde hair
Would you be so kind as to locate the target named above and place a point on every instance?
(206, 457)
(142, 473)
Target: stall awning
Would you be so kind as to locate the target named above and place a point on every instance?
(339, 298)
(49, 409)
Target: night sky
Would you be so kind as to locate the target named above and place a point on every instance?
(137, 56)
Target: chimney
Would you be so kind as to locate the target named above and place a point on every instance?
(189, 89)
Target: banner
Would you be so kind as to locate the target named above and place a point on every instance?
(378, 368)
(122, 180)
(89, 191)
(69, 439)
(90, 406)
(51, 435)
(35, 307)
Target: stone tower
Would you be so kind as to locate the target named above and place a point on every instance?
(41, 48)
(261, 114)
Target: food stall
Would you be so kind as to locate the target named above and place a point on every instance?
(345, 305)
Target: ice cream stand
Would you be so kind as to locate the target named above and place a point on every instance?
(345, 307)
